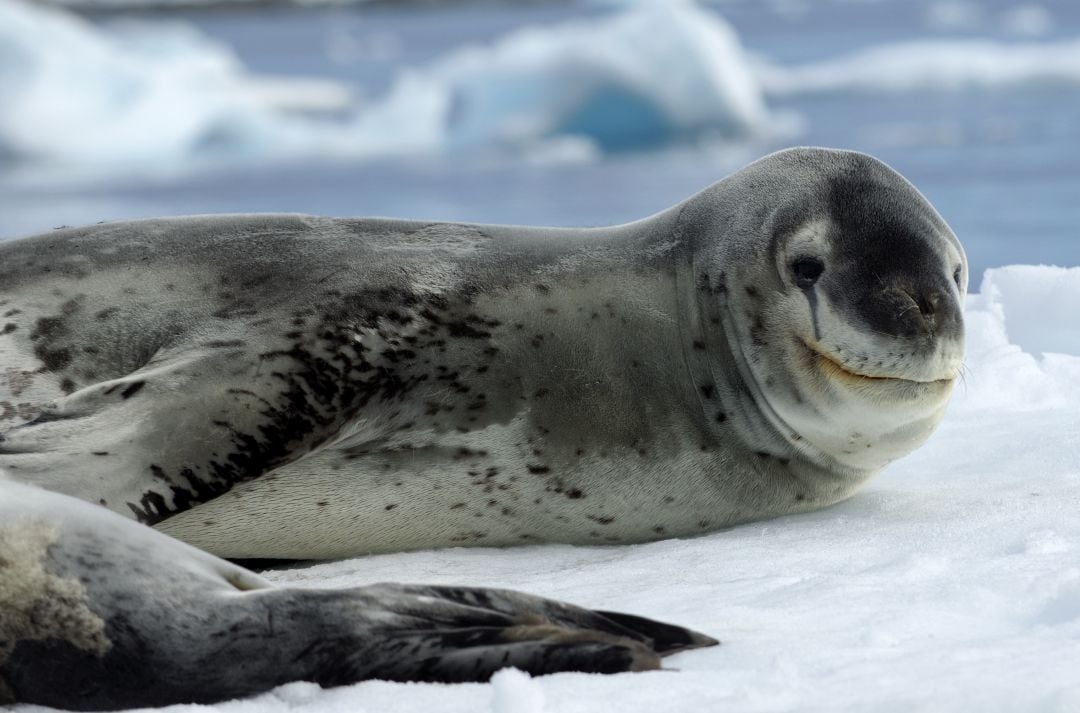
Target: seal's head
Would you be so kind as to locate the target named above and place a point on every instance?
(845, 304)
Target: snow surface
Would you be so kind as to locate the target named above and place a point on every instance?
(950, 583)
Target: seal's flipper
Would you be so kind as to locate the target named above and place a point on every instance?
(475, 654)
(98, 612)
(666, 639)
(528, 609)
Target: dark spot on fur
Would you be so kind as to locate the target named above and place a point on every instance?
(9, 328)
(537, 469)
(323, 503)
(707, 391)
(699, 345)
(99, 453)
(53, 359)
(132, 389)
(721, 416)
(574, 494)
(602, 519)
(391, 506)
(67, 386)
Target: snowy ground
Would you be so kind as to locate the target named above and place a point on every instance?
(951, 583)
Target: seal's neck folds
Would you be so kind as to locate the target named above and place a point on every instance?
(730, 396)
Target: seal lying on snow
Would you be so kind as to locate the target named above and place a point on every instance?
(98, 612)
(299, 387)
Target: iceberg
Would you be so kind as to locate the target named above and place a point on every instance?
(74, 94)
(162, 95)
(647, 76)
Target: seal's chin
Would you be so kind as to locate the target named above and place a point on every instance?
(835, 371)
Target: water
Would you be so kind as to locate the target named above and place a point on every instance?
(1000, 164)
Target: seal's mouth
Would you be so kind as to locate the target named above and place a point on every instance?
(833, 369)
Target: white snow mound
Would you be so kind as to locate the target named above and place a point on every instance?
(1023, 341)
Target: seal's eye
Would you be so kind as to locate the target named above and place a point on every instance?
(956, 276)
(807, 270)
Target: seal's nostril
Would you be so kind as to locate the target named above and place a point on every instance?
(928, 304)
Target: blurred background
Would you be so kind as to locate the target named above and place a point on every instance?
(553, 112)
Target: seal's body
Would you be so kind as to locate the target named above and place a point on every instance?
(299, 387)
(99, 613)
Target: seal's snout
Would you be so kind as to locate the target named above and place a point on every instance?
(914, 312)
(936, 312)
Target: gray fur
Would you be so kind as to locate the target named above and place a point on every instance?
(144, 620)
(292, 386)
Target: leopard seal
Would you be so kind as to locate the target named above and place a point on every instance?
(98, 612)
(286, 386)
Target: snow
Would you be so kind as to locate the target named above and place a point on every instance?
(951, 582)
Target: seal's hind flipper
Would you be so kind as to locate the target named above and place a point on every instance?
(538, 619)
(475, 654)
(666, 638)
(139, 619)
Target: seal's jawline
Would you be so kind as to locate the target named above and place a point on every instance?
(833, 368)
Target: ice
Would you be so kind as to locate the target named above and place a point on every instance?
(938, 65)
(638, 78)
(163, 95)
(74, 94)
(1021, 313)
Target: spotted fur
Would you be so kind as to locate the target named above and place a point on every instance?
(292, 386)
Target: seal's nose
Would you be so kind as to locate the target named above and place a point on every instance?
(931, 311)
